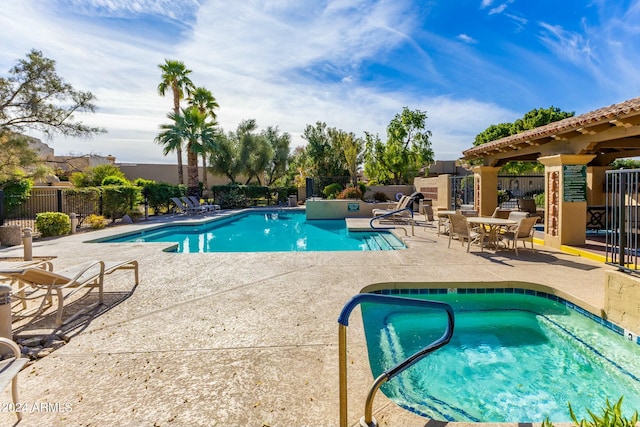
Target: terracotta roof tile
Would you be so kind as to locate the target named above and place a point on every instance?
(599, 115)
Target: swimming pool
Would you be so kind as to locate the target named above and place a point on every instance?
(516, 356)
(264, 231)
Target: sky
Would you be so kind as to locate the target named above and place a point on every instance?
(352, 64)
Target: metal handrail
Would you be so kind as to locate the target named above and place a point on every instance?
(343, 322)
(388, 214)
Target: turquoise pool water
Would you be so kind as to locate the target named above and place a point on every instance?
(513, 358)
(265, 231)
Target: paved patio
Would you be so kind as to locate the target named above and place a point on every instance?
(228, 339)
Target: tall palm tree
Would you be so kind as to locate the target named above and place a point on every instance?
(175, 78)
(191, 126)
(206, 103)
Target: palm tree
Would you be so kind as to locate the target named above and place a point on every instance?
(175, 77)
(191, 126)
(206, 103)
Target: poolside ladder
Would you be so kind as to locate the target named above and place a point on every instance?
(343, 321)
(388, 214)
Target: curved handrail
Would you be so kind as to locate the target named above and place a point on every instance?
(343, 321)
(388, 214)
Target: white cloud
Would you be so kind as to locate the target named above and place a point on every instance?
(485, 4)
(467, 39)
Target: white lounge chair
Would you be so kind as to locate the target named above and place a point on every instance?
(195, 202)
(9, 369)
(185, 208)
(67, 282)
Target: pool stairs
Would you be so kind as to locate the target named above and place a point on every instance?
(379, 242)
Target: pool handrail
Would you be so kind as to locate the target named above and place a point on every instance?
(392, 213)
(343, 322)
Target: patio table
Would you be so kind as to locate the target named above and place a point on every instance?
(493, 225)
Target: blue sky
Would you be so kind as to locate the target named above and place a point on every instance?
(353, 64)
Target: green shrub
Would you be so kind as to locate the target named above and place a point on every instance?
(53, 224)
(232, 199)
(96, 222)
(332, 190)
(16, 192)
(115, 180)
(350, 193)
(539, 198)
(503, 196)
(159, 194)
(93, 176)
(117, 200)
(379, 196)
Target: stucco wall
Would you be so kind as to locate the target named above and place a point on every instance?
(339, 209)
(168, 173)
(622, 300)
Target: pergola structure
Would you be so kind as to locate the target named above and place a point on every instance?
(575, 152)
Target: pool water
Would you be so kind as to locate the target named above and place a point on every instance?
(265, 231)
(512, 358)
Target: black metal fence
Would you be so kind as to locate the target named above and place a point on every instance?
(462, 191)
(622, 213)
(23, 213)
(518, 187)
(514, 187)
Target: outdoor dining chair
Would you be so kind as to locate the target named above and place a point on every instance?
(459, 227)
(523, 232)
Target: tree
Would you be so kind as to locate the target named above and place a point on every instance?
(277, 167)
(175, 78)
(325, 154)
(253, 150)
(531, 120)
(190, 125)
(351, 148)
(15, 157)
(225, 160)
(93, 176)
(206, 103)
(406, 151)
(35, 97)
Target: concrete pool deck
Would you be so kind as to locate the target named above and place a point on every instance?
(251, 339)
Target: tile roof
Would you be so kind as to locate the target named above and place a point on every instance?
(600, 115)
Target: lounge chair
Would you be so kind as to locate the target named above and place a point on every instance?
(397, 212)
(67, 282)
(459, 227)
(196, 207)
(9, 369)
(185, 208)
(523, 232)
(21, 293)
(195, 202)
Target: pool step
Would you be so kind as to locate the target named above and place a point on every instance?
(378, 242)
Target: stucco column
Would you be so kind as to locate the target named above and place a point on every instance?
(596, 180)
(486, 189)
(565, 179)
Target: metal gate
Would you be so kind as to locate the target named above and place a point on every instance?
(622, 213)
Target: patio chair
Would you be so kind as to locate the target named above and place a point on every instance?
(194, 200)
(185, 208)
(21, 292)
(67, 282)
(523, 232)
(9, 369)
(400, 204)
(501, 213)
(460, 228)
(195, 207)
